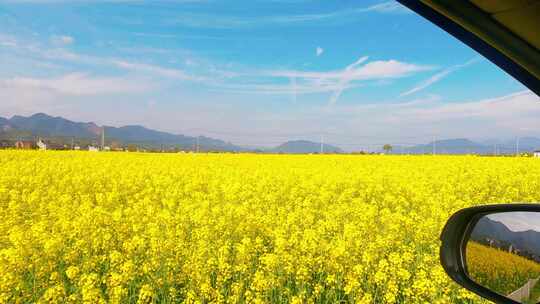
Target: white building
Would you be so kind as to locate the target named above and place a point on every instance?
(536, 153)
(93, 149)
(41, 145)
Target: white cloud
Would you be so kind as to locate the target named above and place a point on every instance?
(502, 117)
(344, 81)
(279, 89)
(76, 84)
(515, 107)
(8, 41)
(357, 71)
(379, 69)
(223, 21)
(318, 51)
(62, 40)
(71, 95)
(518, 220)
(310, 82)
(64, 55)
(152, 69)
(438, 76)
(235, 79)
(232, 79)
(389, 7)
(136, 67)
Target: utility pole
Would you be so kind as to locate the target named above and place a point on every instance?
(434, 150)
(322, 144)
(72, 143)
(198, 149)
(517, 146)
(103, 138)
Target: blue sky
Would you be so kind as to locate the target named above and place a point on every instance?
(256, 73)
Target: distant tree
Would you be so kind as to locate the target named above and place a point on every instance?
(115, 145)
(132, 148)
(387, 148)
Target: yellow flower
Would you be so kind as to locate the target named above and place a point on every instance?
(72, 272)
(146, 294)
(244, 228)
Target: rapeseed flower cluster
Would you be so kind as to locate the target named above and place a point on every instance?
(80, 227)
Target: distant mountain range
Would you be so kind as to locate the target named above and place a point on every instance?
(466, 146)
(43, 125)
(526, 242)
(304, 146)
(47, 126)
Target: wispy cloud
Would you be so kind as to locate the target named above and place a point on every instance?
(68, 93)
(379, 69)
(136, 67)
(8, 41)
(224, 21)
(506, 115)
(60, 54)
(318, 51)
(153, 69)
(345, 79)
(339, 80)
(389, 7)
(309, 82)
(516, 106)
(234, 78)
(62, 40)
(293, 87)
(77, 84)
(247, 81)
(438, 76)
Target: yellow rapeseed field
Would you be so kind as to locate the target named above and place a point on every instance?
(203, 228)
(501, 271)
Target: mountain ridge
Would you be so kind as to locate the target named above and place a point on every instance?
(41, 124)
(467, 146)
(304, 146)
(526, 241)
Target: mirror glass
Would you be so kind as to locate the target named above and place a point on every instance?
(503, 254)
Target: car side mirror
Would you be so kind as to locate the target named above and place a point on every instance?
(494, 251)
